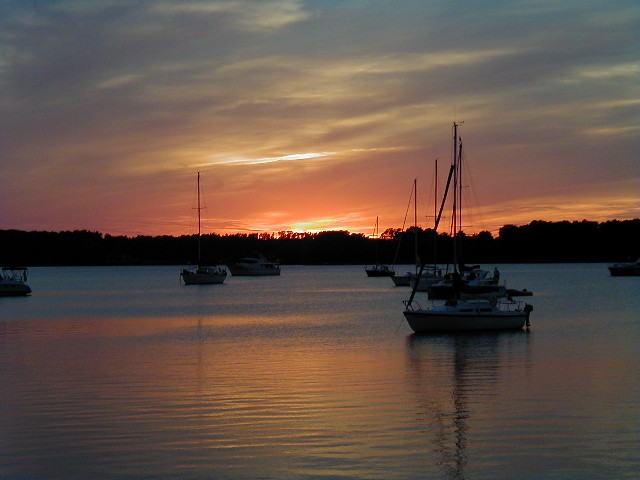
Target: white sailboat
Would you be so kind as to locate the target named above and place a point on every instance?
(203, 275)
(456, 313)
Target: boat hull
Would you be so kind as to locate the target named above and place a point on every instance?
(624, 271)
(379, 271)
(253, 273)
(203, 276)
(402, 280)
(10, 289)
(468, 316)
(255, 267)
(239, 271)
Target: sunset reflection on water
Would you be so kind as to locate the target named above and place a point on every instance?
(328, 381)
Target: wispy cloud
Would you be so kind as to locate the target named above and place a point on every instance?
(283, 158)
(310, 109)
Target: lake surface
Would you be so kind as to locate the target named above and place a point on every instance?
(122, 372)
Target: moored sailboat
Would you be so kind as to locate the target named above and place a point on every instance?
(200, 274)
(378, 269)
(496, 311)
(404, 279)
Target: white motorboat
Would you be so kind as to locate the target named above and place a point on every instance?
(428, 277)
(470, 282)
(200, 274)
(13, 282)
(496, 311)
(257, 266)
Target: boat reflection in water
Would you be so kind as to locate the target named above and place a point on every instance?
(456, 382)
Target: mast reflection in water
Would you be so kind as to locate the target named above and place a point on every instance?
(455, 377)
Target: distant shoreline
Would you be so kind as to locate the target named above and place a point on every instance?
(537, 242)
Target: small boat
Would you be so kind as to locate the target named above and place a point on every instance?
(429, 276)
(203, 275)
(257, 266)
(469, 315)
(13, 282)
(469, 282)
(403, 280)
(628, 269)
(473, 299)
(378, 269)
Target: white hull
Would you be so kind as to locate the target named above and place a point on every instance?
(204, 276)
(466, 316)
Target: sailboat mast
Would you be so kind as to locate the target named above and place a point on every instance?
(415, 222)
(198, 218)
(455, 197)
(435, 197)
(435, 218)
(459, 237)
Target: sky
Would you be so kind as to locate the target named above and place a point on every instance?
(315, 115)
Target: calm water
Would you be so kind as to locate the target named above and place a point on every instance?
(125, 373)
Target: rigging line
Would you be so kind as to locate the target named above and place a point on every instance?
(399, 325)
(406, 214)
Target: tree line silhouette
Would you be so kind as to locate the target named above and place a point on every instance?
(537, 242)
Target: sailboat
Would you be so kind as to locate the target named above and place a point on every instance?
(458, 313)
(405, 280)
(378, 269)
(203, 275)
(431, 274)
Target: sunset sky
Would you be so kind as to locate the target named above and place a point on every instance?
(314, 115)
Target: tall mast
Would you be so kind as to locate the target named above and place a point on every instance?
(435, 198)
(455, 197)
(415, 222)
(460, 199)
(198, 218)
(435, 219)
